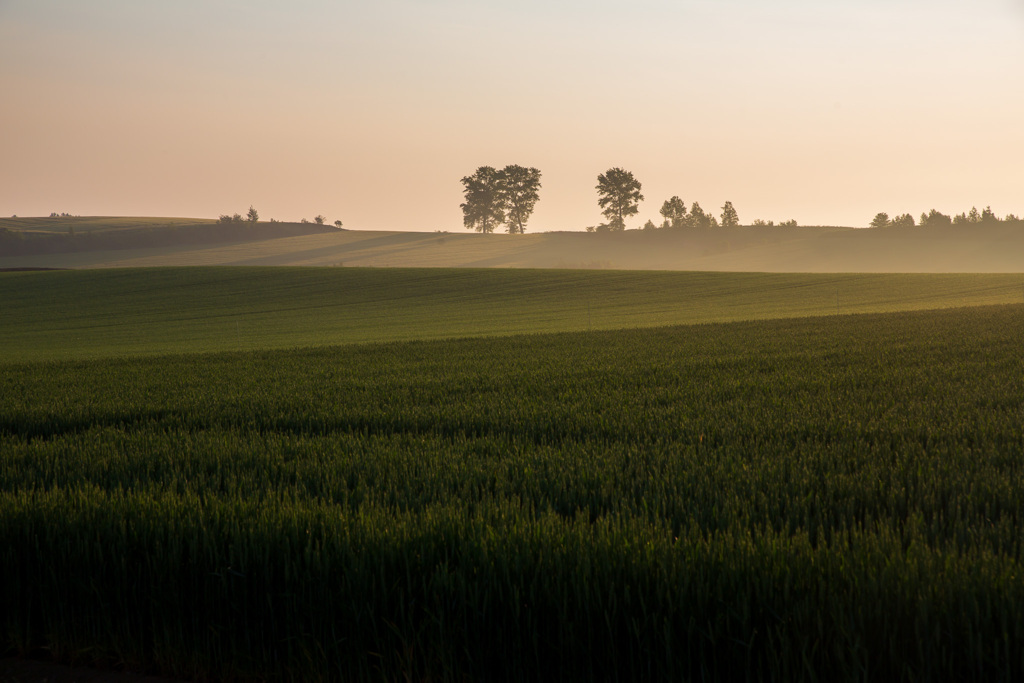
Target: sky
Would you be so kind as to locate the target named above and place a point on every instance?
(822, 111)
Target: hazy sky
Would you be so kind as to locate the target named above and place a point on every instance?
(825, 111)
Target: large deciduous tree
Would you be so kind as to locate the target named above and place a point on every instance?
(618, 195)
(520, 189)
(674, 212)
(506, 197)
(484, 208)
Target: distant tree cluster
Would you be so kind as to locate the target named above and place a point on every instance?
(253, 217)
(936, 219)
(496, 198)
(759, 223)
(54, 214)
(619, 196)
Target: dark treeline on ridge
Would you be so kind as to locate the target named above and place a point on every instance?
(936, 219)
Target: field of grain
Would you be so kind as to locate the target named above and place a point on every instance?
(808, 498)
(823, 498)
(815, 498)
(91, 314)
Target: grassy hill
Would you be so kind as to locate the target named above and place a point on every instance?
(135, 242)
(66, 241)
(84, 314)
(37, 226)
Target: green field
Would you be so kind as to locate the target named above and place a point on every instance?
(90, 314)
(812, 498)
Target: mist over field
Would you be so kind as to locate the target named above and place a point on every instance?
(124, 243)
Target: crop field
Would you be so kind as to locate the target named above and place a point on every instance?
(823, 498)
(107, 313)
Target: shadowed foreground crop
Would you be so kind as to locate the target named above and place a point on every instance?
(831, 499)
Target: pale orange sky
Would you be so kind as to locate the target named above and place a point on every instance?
(826, 111)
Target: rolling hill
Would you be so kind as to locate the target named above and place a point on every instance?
(146, 311)
(187, 242)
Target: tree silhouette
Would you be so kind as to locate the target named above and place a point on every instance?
(253, 215)
(697, 217)
(320, 219)
(618, 195)
(484, 208)
(902, 221)
(338, 224)
(934, 219)
(730, 219)
(674, 212)
(881, 220)
(520, 190)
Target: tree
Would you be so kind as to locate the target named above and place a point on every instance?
(320, 219)
(973, 216)
(881, 220)
(338, 224)
(697, 217)
(618, 195)
(674, 212)
(649, 225)
(484, 208)
(520, 191)
(253, 215)
(934, 219)
(987, 217)
(730, 219)
(902, 221)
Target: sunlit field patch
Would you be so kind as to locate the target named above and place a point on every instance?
(132, 312)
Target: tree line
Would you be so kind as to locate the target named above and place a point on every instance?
(937, 219)
(253, 217)
(507, 197)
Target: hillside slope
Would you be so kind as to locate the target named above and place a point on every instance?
(995, 249)
(84, 314)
